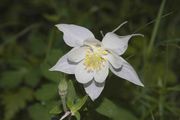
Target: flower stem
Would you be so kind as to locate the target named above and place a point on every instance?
(63, 98)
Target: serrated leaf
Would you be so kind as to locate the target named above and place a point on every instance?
(80, 102)
(111, 110)
(46, 92)
(14, 102)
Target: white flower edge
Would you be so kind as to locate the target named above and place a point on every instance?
(127, 72)
(94, 89)
(74, 35)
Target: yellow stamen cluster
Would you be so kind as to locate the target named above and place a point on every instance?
(93, 59)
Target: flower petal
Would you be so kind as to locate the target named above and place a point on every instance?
(94, 89)
(77, 55)
(127, 72)
(101, 75)
(81, 74)
(74, 35)
(63, 65)
(91, 42)
(114, 60)
(118, 44)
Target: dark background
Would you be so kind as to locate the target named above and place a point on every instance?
(30, 44)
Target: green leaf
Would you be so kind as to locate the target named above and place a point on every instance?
(11, 79)
(54, 56)
(14, 102)
(51, 59)
(71, 95)
(56, 110)
(109, 109)
(39, 112)
(36, 44)
(158, 72)
(80, 102)
(46, 92)
(156, 26)
(77, 115)
(33, 77)
(26, 93)
(52, 76)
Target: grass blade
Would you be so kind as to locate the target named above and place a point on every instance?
(156, 26)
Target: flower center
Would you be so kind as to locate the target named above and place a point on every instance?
(93, 59)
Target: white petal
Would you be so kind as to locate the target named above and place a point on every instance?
(101, 75)
(63, 65)
(77, 55)
(118, 44)
(94, 89)
(114, 60)
(127, 72)
(74, 35)
(93, 41)
(81, 74)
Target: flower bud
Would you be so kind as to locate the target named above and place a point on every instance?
(63, 86)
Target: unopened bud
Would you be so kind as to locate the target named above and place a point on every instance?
(63, 86)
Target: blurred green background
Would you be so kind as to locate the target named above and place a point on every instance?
(30, 44)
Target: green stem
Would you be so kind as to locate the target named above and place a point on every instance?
(63, 98)
(51, 38)
(156, 26)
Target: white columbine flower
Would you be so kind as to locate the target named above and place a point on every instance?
(90, 59)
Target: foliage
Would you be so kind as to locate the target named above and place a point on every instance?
(114, 112)
(30, 45)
